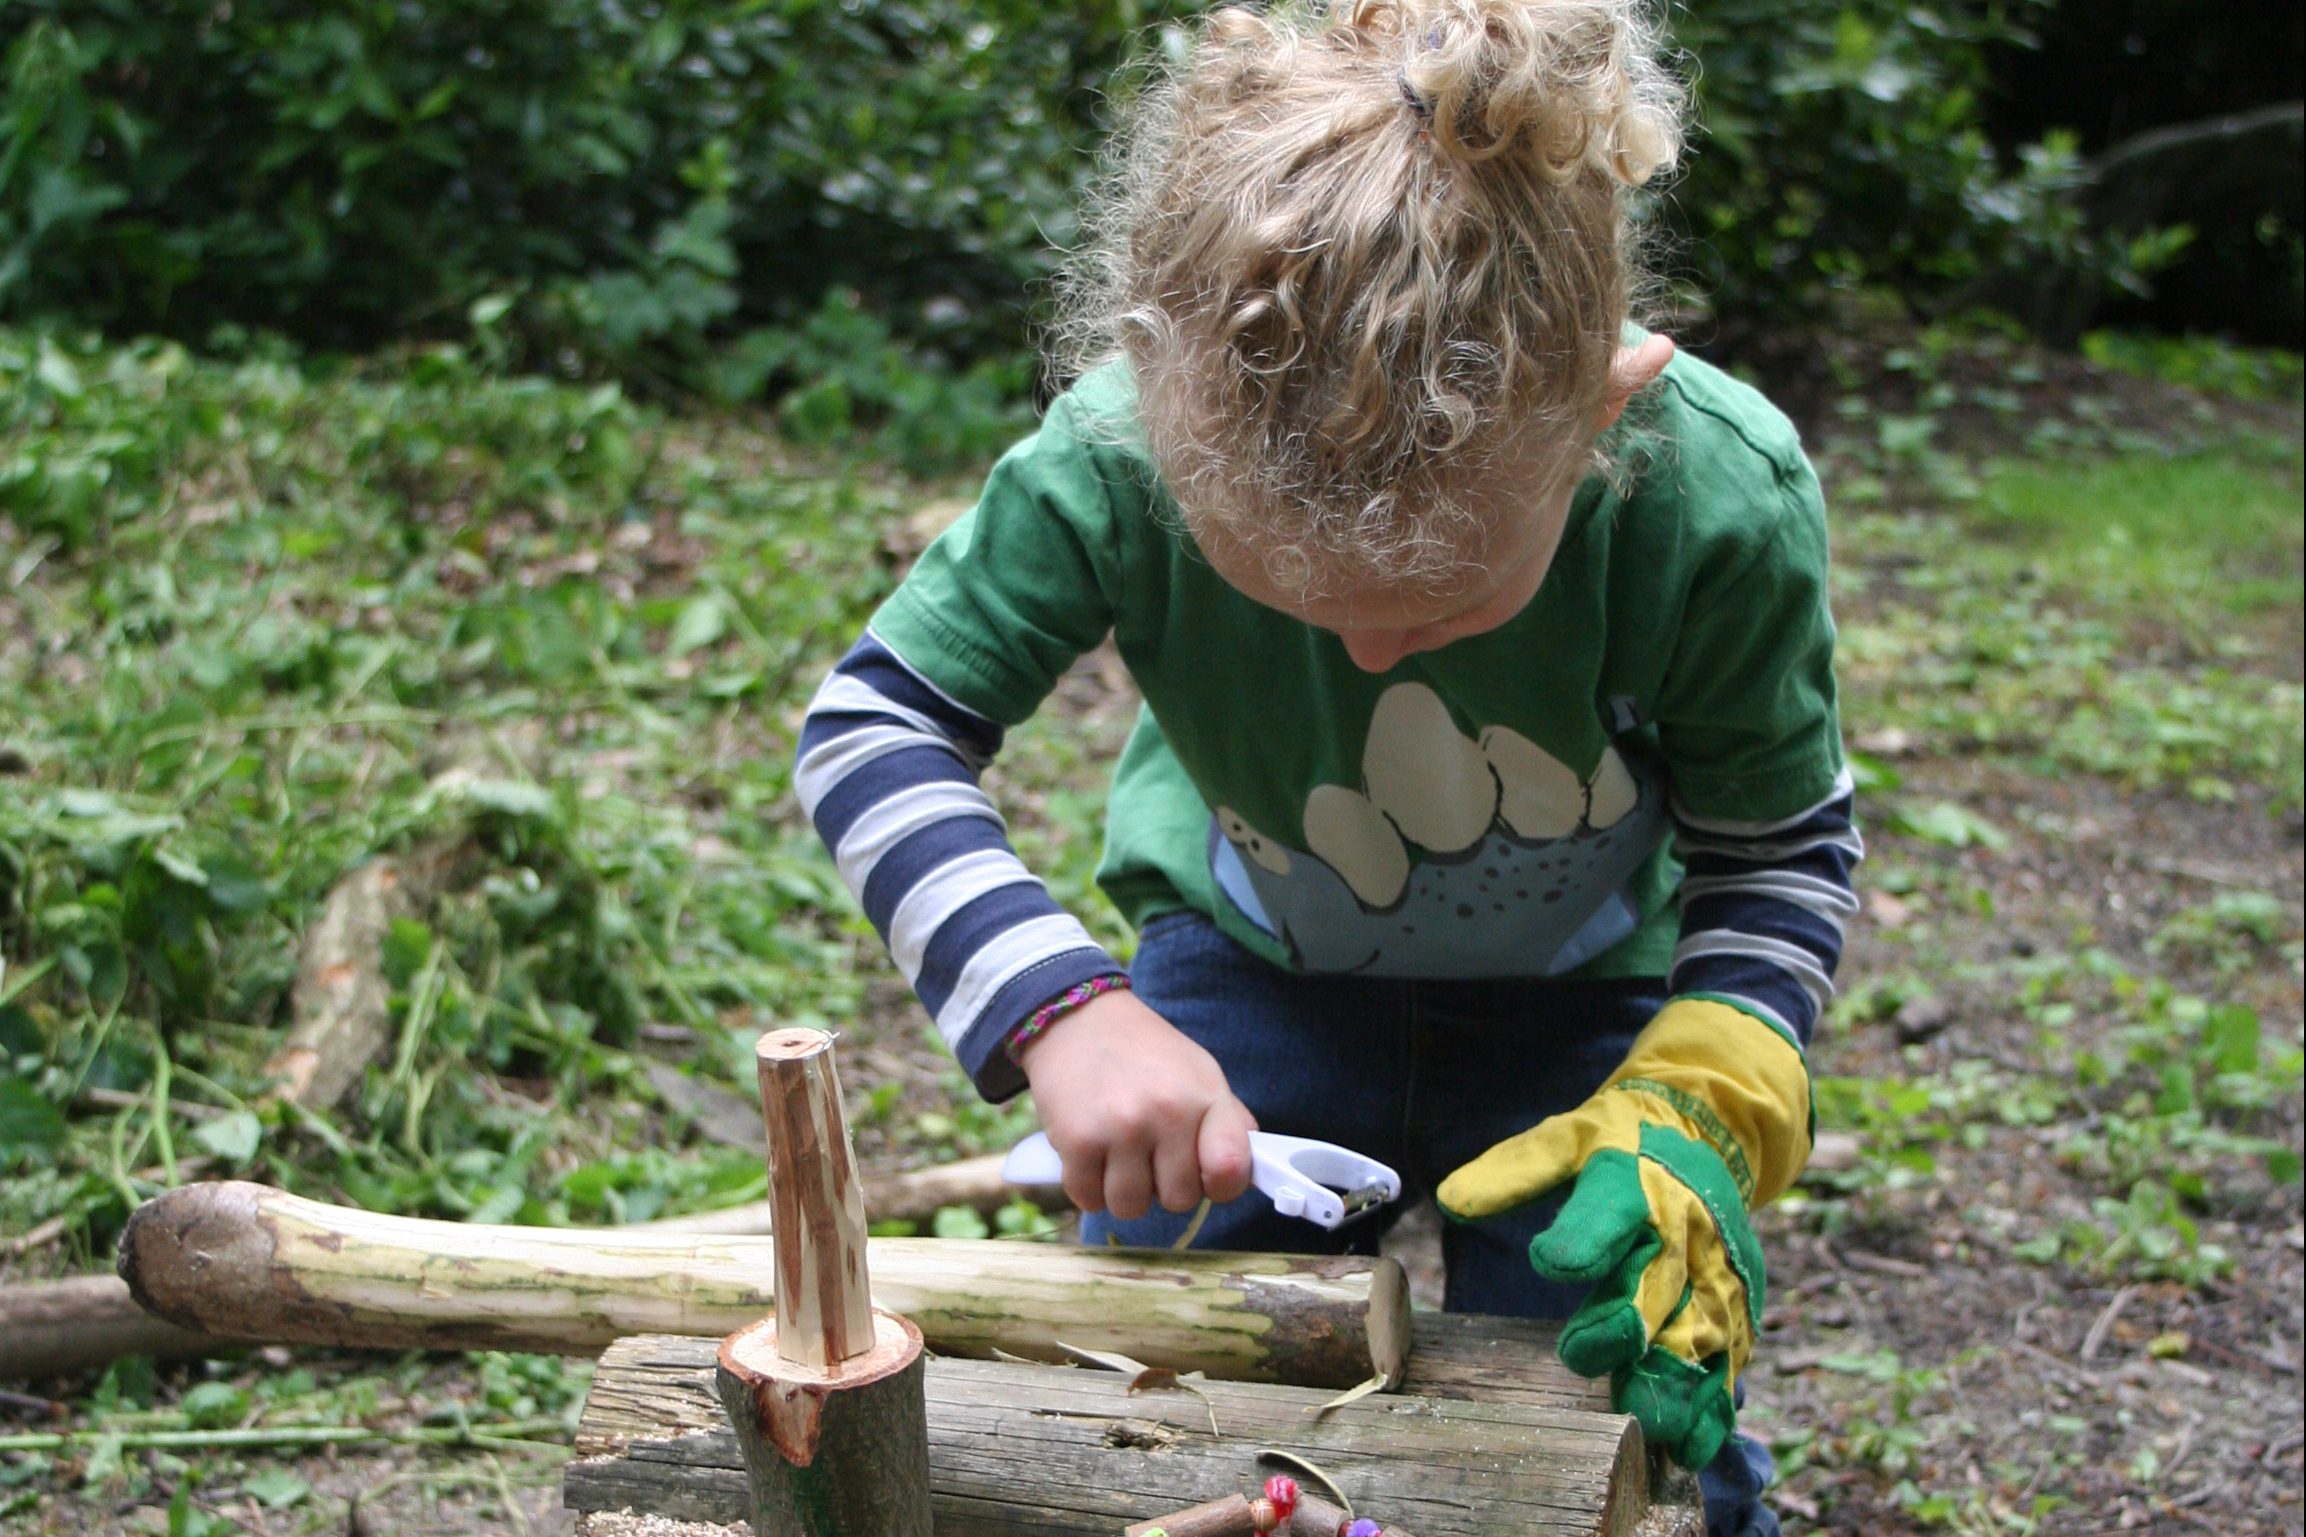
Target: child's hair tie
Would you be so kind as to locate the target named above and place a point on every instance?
(1417, 103)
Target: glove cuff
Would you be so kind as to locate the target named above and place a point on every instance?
(1733, 1083)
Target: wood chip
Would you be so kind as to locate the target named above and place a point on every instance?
(1376, 1384)
(1111, 1360)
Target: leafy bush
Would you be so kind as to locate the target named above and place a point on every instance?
(1844, 145)
(630, 181)
(674, 192)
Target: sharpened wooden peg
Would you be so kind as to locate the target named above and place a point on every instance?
(827, 1397)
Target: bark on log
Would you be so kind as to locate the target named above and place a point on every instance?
(243, 1261)
(839, 1452)
(52, 1328)
(1029, 1451)
(913, 1196)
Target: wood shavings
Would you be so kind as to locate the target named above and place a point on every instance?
(1376, 1384)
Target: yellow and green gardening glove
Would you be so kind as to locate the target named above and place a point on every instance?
(1707, 1118)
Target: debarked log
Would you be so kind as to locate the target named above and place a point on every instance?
(242, 1261)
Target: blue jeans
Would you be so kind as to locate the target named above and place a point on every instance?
(1423, 1075)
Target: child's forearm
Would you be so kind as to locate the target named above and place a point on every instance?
(1763, 910)
(887, 769)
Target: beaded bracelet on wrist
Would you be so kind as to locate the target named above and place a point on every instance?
(1060, 1006)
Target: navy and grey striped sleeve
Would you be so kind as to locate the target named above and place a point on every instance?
(887, 770)
(1765, 907)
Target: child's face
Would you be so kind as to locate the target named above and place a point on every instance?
(1379, 626)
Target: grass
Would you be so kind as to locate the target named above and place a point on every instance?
(255, 611)
(2207, 530)
(2123, 615)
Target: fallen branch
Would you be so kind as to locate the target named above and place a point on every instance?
(510, 1432)
(240, 1260)
(340, 1004)
(914, 1196)
(51, 1328)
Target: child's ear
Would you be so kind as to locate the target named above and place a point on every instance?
(1635, 370)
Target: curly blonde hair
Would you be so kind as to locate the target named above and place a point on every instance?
(1357, 254)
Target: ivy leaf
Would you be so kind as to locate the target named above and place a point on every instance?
(233, 1137)
(214, 1405)
(1956, 827)
(509, 797)
(959, 1222)
(275, 1488)
(702, 621)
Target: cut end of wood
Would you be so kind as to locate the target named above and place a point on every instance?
(751, 1353)
(788, 1397)
(200, 1257)
(794, 1043)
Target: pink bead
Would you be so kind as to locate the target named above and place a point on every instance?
(1282, 1490)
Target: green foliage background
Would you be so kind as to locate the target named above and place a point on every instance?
(749, 196)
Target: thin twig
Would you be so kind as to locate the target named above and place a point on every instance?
(47, 1408)
(509, 1433)
(1883, 1264)
(2098, 1331)
(36, 1236)
(2062, 1369)
(118, 1099)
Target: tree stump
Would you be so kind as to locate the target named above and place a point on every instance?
(827, 1397)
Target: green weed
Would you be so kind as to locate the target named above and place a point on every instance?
(2206, 363)
(2208, 529)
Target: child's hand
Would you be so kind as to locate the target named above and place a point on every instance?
(1137, 1110)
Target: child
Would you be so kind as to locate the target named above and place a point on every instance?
(1488, 793)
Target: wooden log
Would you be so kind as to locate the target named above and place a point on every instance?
(830, 1452)
(52, 1328)
(242, 1261)
(826, 1397)
(1029, 1451)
